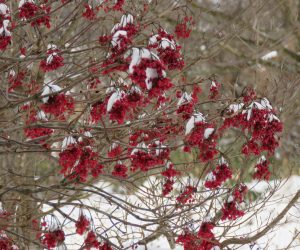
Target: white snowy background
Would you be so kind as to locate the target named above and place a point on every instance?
(279, 238)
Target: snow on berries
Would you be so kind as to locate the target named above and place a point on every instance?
(120, 170)
(214, 89)
(185, 105)
(27, 9)
(167, 49)
(122, 34)
(5, 34)
(200, 134)
(262, 171)
(89, 12)
(148, 72)
(39, 14)
(56, 102)
(114, 150)
(78, 160)
(53, 60)
(259, 123)
(127, 118)
(219, 175)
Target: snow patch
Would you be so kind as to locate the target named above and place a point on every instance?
(198, 117)
(48, 90)
(270, 55)
(113, 98)
(185, 98)
(208, 132)
(68, 141)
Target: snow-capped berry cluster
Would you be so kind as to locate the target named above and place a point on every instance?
(147, 150)
(201, 134)
(36, 132)
(78, 159)
(55, 102)
(27, 9)
(214, 89)
(262, 169)
(186, 103)
(89, 12)
(5, 29)
(119, 104)
(53, 60)
(219, 175)
(120, 170)
(231, 208)
(115, 150)
(259, 122)
(15, 80)
(148, 72)
(122, 34)
(39, 14)
(167, 49)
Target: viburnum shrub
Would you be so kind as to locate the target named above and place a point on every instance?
(102, 90)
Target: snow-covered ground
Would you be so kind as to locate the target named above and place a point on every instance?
(278, 238)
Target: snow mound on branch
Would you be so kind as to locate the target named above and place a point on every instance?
(115, 41)
(185, 98)
(270, 55)
(4, 10)
(262, 104)
(3, 30)
(113, 98)
(151, 73)
(48, 90)
(198, 117)
(235, 107)
(208, 132)
(136, 56)
(68, 141)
